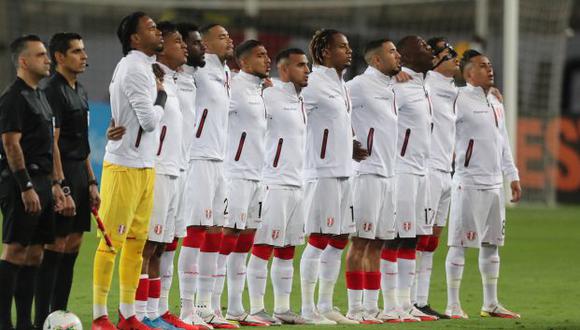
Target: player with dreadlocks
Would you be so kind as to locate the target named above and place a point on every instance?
(328, 171)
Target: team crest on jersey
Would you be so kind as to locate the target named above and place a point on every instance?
(367, 226)
(330, 221)
(471, 235)
(158, 229)
(208, 213)
(275, 234)
(121, 229)
(407, 226)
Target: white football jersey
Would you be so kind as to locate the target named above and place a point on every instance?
(169, 159)
(414, 124)
(211, 109)
(285, 136)
(246, 129)
(186, 91)
(132, 93)
(329, 131)
(483, 153)
(374, 120)
(443, 96)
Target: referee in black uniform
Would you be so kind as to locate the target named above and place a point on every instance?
(69, 103)
(26, 166)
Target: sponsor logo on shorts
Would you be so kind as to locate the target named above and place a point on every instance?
(208, 213)
(275, 234)
(367, 226)
(407, 225)
(158, 229)
(330, 221)
(121, 229)
(471, 235)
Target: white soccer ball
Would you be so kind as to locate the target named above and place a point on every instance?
(62, 320)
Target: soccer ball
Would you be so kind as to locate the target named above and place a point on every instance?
(62, 320)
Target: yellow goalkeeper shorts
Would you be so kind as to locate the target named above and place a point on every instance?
(126, 202)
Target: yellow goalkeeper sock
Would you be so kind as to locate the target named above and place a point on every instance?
(129, 272)
(103, 267)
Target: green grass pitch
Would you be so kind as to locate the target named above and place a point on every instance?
(539, 277)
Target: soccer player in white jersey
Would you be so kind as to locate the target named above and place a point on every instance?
(282, 227)
(137, 102)
(165, 194)
(206, 185)
(186, 93)
(243, 168)
(328, 172)
(483, 160)
(413, 144)
(443, 93)
(374, 120)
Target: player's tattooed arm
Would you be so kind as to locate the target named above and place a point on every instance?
(15, 157)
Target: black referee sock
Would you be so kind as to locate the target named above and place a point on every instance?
(23, 295)
(8, 273)
(64, 280)
(45, 283)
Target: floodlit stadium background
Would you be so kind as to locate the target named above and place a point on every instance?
(547, 141)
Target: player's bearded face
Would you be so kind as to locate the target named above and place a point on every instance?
(391, 59)
(340, 52)
(260, 62)
(149, 34)
(174, 49)
(76, 57)
(482, 72)
(298, 70)
(220, 43)
(36, 59)
(196, 50)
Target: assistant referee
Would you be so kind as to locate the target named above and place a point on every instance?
(69, 102)
(26, 165)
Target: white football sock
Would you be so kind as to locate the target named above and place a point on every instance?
(489, 269)
(355, 299)
(282, 275)
(220, 279)
(309, 266)
(206, 279)
(405, 279)
(330, 260)
(454, 265)
(187, 270)
(257, 277)
(166, 271)
(152, 308)
(236, 281)
(389, 273)
(424, 267)
(371, 300)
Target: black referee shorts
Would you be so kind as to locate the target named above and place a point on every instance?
(77, 177)
(19, 226)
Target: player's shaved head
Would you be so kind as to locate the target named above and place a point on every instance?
(373, 47)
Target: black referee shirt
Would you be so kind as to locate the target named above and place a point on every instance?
(26, 110)
(71, 112)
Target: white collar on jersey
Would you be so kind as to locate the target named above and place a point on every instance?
(440, 77)
(475, 90)
(188, 69)
(329, 72)
(213, 60)
(417, 76)
(372, 71)
(253, 79)
(139, 55)
(166, 69)
(289, 88)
